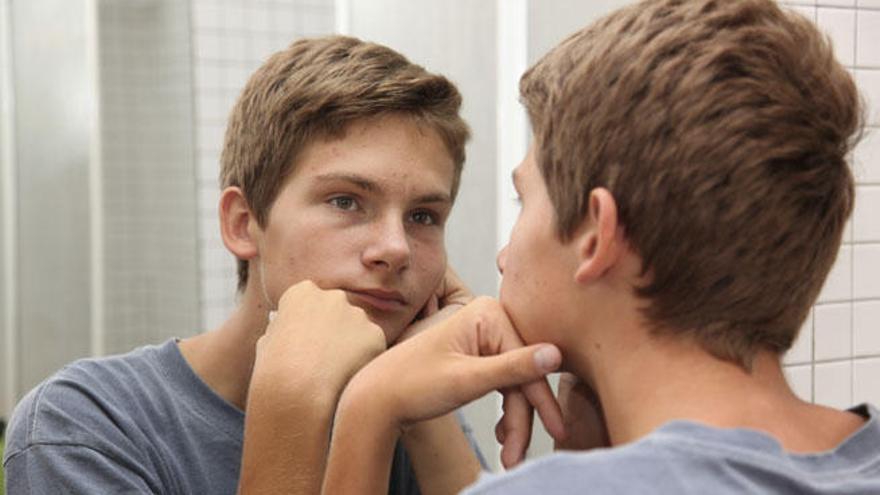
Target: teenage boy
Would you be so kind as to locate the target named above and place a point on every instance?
(340, 166)
(682, 203)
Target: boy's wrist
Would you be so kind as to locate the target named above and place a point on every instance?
(318, 391)
(365, 402)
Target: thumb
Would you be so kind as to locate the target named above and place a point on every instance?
(517, 366)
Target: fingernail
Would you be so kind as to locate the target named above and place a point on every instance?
(548, 358)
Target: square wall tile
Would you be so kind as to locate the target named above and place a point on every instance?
(866, 215)
(802, 350)
(866, 328)
(805, 10)
(800, 379)
(840, 25)
(868, 42)
(866, 268)
(874, 4)
(832, 332)
(836, 3)
(866, 159)
(832, 384)
(868, 81)
(838, 284)
(866, 381)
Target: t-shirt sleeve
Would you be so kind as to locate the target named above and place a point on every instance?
(65, 436)
(53, 468)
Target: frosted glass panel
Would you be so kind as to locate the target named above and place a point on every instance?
(105, 221)
(149, 203)
(52, 128)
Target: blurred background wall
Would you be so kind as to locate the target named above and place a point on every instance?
(112, 114)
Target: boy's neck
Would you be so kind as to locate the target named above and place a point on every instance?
(665, 378)
(224, 357)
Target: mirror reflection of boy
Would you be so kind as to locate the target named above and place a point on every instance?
(682, 204)
(340, 166)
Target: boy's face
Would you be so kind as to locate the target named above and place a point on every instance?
(534, 263)
(364, 214)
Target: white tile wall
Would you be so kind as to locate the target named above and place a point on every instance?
(866, 329)
(232, 38)
(865, 373)
(840, 24)
(838, 285)
(837, 3)
(868, 38)
(832, 384)
(836, 359)
(832, 332)
(866, 160)
(866, 217)
(866, 260)
(869, 82)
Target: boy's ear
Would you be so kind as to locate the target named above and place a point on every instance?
(237, 223)
(596, 241)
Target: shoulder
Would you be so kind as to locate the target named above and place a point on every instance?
(601, 470)
(664, 461)
(86, 400)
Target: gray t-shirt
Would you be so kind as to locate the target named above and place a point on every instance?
(684, 457)
(143, 422)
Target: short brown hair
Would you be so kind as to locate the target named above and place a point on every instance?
(314, 89)
(722, 129)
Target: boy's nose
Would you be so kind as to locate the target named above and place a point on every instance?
(389, 247)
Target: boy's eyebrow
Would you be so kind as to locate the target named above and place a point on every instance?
(356, 180)
(371, 186)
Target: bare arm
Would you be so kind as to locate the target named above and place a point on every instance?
(307, 355)
(473, 352)
(442, 457)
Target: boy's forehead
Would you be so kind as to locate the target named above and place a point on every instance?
(377, 153)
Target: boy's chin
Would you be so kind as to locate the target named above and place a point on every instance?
(393, 328)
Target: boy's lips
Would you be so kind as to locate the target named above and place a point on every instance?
(381, 299)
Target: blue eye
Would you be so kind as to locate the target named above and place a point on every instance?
(346, 203)
(424, 217)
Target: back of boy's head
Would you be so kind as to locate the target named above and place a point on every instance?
(313, 90)
(722, 129)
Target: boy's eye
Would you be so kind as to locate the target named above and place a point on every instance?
(344, 203)
(424, 217)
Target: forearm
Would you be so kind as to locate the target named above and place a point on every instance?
(442, 457)
(286, 444)
(362, 449)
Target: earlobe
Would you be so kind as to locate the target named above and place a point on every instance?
(596, 241)
(236, 224)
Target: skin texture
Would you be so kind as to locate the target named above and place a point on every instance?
(372, 208)
(352, 253)
(472, 352)
(577, 296)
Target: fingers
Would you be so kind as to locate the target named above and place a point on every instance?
(516, 367)
(540, 396)
(516, 428)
